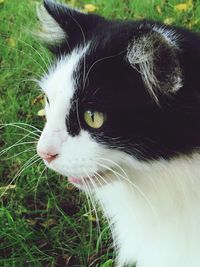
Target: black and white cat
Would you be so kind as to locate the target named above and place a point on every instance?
(123, 121)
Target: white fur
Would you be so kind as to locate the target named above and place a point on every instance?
(155, 215)
(153, 209)
(141, 55)
(50, 31)
(170, 35)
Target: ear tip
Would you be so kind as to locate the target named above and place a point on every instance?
(48, 3)
(51, 5)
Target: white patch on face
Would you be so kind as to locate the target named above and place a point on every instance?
(59, 86)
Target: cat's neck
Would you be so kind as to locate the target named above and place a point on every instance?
(155, 206)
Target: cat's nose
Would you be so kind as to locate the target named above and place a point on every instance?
(48, 156)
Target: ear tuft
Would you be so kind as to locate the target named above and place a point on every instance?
(155, 56)
(64, 27)
(50, 31)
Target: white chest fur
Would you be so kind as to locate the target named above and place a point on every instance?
(155, 219)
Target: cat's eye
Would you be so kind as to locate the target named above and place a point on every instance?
(94, 119)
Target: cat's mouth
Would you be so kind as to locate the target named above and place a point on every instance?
(97, 179)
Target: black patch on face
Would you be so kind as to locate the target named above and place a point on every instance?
(73, 121)
(135, 123)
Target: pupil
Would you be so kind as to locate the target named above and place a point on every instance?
(92, 116)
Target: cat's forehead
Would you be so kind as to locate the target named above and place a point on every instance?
(84, 71)
(60, 83)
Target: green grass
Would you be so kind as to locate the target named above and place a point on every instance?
(44, 221)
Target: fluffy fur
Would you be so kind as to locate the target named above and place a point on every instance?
(142, 165)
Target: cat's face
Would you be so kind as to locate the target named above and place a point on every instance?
(104, 95)
(79, 139)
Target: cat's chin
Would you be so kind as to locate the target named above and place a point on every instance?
(100, 179)
(75, 180)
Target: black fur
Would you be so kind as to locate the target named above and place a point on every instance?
(135, 123)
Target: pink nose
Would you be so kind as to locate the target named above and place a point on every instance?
(47, 156)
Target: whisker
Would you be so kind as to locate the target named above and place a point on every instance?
(30, 162)
(15, 145)
(101, 177)
(93, 204)
(20, 127)
(27, 55)
(88, 197)
(15, 155)
(67, 219)
(110, 223)
(36, 51)
(136, 187)
(38, 180)
(22, 134)
(21, 123)
(97, 61)
(24, 70)
(84, 41)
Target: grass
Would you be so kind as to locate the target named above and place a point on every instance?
(44, 221)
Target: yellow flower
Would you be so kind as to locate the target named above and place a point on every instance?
(169, 21)
(38, 99)
(72, 2)
(11, 41)
(158, 9)
(90, 8)
(192, 23)
(90, 217)
(183, 7)
(41, 113)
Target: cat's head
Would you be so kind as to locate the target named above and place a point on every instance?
(109, 95)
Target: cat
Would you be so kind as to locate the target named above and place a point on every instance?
(123, 122)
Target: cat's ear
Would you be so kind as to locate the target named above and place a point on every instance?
(61, 23)
(154, 53)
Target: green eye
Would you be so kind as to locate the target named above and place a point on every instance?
(94, 119)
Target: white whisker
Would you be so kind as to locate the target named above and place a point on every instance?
(102, 204)
(15, 145)
(38, 180)
(93, 204)
(20, 123)
(89, 201)
(97, 61)
(17, 125)
(24, 70)
(35, 51)
(136, 187)
(27, 55)
(16, 155)
(101, 177)
(30, 162)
